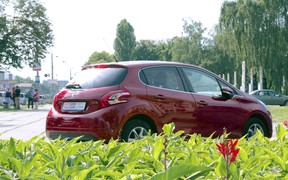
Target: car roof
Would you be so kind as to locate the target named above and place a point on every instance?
(141, 63)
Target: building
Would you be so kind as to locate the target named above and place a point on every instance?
(6, 80)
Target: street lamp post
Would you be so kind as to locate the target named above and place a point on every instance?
(52, 74)
(70, 68)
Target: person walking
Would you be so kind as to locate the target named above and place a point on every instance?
(30, 95)
(8, 98)
(17, 97)
(36, 99)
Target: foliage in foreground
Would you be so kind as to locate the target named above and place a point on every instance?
(167, 156)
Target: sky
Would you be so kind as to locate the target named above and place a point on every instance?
(83, 27)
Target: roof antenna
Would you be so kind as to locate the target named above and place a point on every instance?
(110, 50)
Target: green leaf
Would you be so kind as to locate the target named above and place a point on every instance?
(41, 171)
(70, 171)
(11, 147)
(59, 162)
(157, 149)
(16, 163)
(105, 174)
(72, 149)
(4, 157)
(280, 132)
(83, 173)
(192, 159)
(234, 171)
(168, 129)
(29, 163)
(243, 154)
(135, 154)
(220, 169)
(179, 171)
(158, 165)
(114, 150)
(276, 158)
(44, 155)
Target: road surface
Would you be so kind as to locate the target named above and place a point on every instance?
(24, 123)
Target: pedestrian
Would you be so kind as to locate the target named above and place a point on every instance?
(13, 97)
(17, 97)
(30, 95)
(36, 99)
(8, 98)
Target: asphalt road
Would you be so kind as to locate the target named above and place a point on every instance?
(27, 123)
(23, 124)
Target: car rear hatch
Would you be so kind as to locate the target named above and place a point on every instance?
(91, 90)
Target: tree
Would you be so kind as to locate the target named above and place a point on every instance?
(164, 49)
(256, 32)
(125, 41)
(25, 35)
(146, 50)
(100, 57)
(189, 47)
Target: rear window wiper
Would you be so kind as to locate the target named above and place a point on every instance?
(73, 86)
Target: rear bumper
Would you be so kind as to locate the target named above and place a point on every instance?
(98, 125)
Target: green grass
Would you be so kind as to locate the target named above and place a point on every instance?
(279, 113)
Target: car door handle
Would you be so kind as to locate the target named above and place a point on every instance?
(202, 103)
(160, 96)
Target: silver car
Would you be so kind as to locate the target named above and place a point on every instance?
(23, 99)
(2, 97)
(270, 97)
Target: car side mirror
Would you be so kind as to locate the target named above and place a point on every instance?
(227, 92)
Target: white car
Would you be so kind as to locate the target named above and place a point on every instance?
(23, 100)
(42, 99)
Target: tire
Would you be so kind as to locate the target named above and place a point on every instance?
(135, 129)
(251, 127)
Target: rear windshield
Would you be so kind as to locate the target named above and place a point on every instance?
(98, 77)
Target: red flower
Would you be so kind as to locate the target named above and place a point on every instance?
(285, 123)
(228, 150)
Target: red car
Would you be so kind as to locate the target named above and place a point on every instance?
(124, 100)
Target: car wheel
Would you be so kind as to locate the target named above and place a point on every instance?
(252, 126)
(286, 103)
(135, 129)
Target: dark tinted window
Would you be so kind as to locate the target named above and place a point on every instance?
(98, 77)
(163, 77)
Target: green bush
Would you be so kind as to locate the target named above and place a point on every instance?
(166, 156)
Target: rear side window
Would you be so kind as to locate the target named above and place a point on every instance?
(98, 77)
(162, 77)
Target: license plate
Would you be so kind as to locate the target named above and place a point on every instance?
(73, 106)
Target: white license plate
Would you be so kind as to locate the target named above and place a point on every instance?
(73, 106)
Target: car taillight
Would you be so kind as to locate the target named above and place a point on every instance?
(58, 97)
(94, 66)
(114, 97)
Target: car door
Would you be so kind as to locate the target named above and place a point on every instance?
(168, 99)
(275, 98)
(213, 112)
(264, 96)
